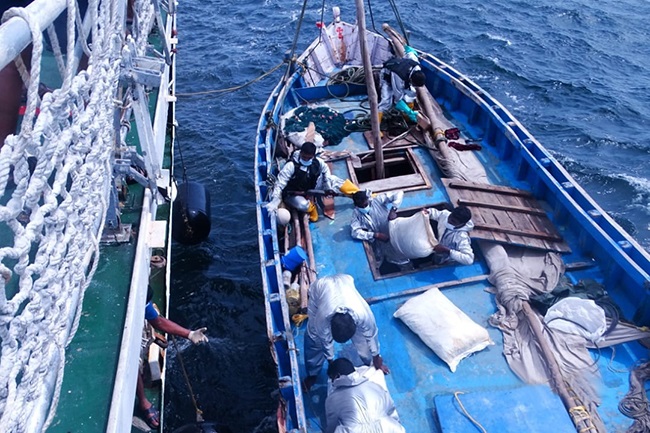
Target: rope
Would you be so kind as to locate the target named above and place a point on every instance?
(399, 20)
(55, 181)
(180, 154)
(199, 412)
(295, 37)
(234, 88)
(635, 403)
(298, 319)
(476, 423)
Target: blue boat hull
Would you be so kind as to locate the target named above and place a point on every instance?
(426, 392)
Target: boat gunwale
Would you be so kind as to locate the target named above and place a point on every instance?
(558, 187)
(560, 184)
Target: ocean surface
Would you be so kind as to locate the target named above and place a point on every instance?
(575, 73)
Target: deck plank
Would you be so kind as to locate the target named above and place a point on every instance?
(506, 215)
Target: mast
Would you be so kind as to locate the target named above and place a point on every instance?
(372, 92)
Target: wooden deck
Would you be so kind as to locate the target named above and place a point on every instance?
(506, 215)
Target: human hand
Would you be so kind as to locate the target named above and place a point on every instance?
(441, 249)
(392, 214)
(425, 211)
(378, 363)
(381, 236)
(309, 382)
(272, 206)
(197, 336)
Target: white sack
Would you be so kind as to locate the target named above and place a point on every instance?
(577, 316)
(413, 236)
(297, 138)
(442, 326)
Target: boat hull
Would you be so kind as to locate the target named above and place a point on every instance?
(421, 384)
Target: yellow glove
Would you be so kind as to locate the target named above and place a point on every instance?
(348, 188)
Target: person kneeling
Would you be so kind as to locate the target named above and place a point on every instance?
(454, 243)
(357, 404)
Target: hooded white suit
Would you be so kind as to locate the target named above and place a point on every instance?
(328, 296)
(357, 405)
(456, 239)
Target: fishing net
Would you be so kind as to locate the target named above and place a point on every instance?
(330, 124)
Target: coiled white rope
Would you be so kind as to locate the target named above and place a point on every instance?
(52, 215)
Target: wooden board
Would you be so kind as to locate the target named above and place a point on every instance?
(408, 182)
(328, 202)
(506, 215)
(411, 139)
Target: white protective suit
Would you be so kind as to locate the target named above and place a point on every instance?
(456, 239)
(328, 296)
(394, 89)
(357, 405)
(364, 226)
(325, 181)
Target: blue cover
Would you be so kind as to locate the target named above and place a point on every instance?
(528, 409)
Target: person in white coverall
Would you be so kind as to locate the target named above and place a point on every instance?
(454, 243)
(399, 78)
(337, 312)
(302, 172)
(357, 405)
(370, 223)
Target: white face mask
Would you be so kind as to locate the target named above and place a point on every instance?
(305, 163)
(364, 210)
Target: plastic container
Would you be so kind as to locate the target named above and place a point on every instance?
(286, 279)
(293, 258)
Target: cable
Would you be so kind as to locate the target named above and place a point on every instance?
(399, 20)
(199, 412)
(232, 89)
(476, 423)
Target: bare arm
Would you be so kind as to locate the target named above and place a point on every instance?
(163, 324)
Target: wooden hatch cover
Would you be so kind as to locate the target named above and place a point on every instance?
(506, 215)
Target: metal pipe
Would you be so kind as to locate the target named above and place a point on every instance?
(15, 33)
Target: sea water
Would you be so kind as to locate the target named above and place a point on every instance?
(575, 73)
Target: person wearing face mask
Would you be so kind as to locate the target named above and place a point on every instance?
(303, 171)
(454, 243)
(370, 223)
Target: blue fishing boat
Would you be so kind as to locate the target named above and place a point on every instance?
(86, 208)
(487, 345)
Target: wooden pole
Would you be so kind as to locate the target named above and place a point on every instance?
(575, 266)
(424, 98)
(372, 92)
(296, 226)
(574, 408)
(304, 287)
(310, 249)
(418, 290)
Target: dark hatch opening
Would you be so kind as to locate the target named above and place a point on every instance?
(402, 169)
(389, 270)
(393, 166)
